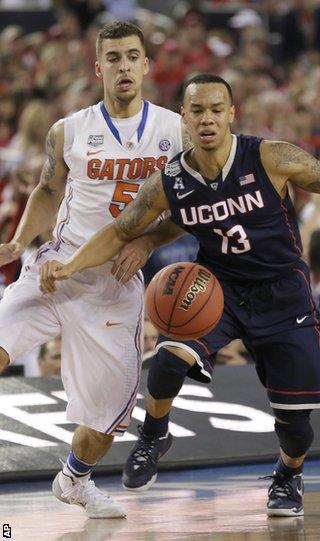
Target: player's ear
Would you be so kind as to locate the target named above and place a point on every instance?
(97, 69)
(146, 66)
(232, 114)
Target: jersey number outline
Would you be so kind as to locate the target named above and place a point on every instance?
(122, 196)
(238, 234)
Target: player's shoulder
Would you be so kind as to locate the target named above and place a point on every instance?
(55, 133)
(57, 126)
(249, 140)
(163, 111)
(248, 146)
(276, 152)
(82, 113)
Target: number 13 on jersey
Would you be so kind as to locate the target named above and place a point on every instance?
(234, 240)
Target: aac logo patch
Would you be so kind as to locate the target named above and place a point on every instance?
(172, 169)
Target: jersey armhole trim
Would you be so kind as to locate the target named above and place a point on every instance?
(69, 130)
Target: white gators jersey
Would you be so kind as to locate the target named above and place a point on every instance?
(105, 173)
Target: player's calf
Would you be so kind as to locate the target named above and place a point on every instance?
(4, 360)
(294, 431)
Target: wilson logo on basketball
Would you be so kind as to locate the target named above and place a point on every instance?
(184, 300)
(173, 277)
(199, 285)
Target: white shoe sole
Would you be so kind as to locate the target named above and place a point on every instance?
(143, 488)
(113, 512)
(284, 513)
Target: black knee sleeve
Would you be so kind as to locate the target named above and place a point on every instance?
(295, 433)
(166, 374)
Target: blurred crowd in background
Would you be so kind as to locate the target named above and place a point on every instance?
(268, 50)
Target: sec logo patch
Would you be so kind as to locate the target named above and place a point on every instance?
(164, 144)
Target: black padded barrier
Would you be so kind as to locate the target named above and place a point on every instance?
(227, 422)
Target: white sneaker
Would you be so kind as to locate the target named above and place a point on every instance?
(84, 492)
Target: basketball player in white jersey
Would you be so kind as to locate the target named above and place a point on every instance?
(96, 160)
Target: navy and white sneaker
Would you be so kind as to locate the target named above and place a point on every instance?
(140, 470)
(285, 496)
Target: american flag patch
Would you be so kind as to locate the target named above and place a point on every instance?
(247, 179)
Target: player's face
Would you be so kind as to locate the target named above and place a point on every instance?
(122, 64)
(208, 114)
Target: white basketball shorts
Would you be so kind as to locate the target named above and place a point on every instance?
(100, 323)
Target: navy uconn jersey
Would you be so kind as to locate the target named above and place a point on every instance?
(244, 229)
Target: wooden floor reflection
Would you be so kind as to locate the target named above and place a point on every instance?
(199, 509)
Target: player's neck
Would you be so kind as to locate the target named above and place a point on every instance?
(117, 109)
(209, 163)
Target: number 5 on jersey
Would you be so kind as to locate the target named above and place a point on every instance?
(122, 196)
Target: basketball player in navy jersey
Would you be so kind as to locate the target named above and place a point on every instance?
(231, 193)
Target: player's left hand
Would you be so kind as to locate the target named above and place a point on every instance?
(131, 259)
(51, 271)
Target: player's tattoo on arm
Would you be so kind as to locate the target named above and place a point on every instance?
(143, 210)
(48, 171)
(284, 154)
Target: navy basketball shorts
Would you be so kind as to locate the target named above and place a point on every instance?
(279, 324)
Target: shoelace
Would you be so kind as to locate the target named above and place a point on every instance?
(281, 487)
(144, 453)
(85, 490)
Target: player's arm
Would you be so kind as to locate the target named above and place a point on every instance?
(44, 200)
(168, 231)
(135, 254)
(106, 243)
(285, 161)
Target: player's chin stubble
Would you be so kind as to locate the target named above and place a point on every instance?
(126, 97)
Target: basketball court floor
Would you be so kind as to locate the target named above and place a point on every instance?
(208, 504)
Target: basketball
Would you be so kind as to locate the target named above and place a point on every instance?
(184, 301)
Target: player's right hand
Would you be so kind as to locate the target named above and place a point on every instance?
(51, 271)
(132, 258)
(10, 252)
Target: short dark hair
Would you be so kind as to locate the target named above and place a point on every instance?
(203, 78)
(116, 30)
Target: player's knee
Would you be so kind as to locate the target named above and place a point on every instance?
(294, 431)
(166, 374)
(4, 359)
(181, 353)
